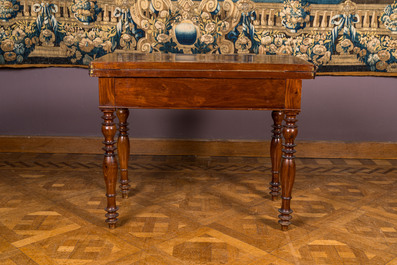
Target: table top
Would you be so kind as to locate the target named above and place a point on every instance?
(201, 66)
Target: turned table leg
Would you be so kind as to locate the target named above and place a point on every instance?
(123, 146)
(275, 153)
(110, 166)
(288, 168)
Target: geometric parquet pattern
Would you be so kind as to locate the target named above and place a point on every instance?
(196, 210)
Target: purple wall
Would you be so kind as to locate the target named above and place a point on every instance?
(63, 102)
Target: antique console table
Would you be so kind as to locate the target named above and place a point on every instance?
(201, 81)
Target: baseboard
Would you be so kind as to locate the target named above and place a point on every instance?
(93, 145)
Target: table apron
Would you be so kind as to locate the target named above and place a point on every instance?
(200, 93)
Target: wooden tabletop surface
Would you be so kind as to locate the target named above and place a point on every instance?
(200, 65)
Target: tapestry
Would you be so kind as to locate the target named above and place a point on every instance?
(342, 37)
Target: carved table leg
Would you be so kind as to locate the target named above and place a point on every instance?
(288, 168)
(275, 153)
(123, 146)
(110, 166)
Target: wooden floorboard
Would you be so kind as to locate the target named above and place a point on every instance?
(196, 210)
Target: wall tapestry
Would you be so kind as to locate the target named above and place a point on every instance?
(353, 37)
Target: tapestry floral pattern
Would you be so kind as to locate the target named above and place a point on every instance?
(343, 37)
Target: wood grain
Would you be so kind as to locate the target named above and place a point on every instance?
(201, 65)
(181, 93)
(106, 95)
(196, 210)
(293, 92)
(144, 146)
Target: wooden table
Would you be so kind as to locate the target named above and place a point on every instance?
(185, 81)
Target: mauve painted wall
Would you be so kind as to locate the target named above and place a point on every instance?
(63, 102)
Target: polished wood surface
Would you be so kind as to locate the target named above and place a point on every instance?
(123, 144)
(185, 93)
(201, 65)
(187, 81)
(203, 210)
(288, 168)
(110, 166)
(157, 146)
(275, 153)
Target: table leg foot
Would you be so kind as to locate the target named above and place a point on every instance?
(288, 168)
(111, 217)
(275, 153)
(110, 165)
(123, 145)
(284, 227)
(285, 215)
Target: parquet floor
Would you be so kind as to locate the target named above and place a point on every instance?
(196, 210)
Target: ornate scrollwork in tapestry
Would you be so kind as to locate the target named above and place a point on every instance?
(347, 36)
(185, 27)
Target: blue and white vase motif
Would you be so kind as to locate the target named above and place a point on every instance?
(9, 9)
(85, 11)
(389, 17)
(186, 33)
